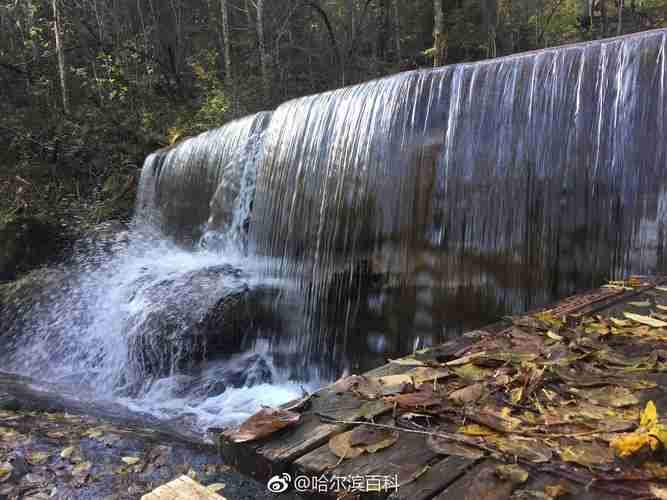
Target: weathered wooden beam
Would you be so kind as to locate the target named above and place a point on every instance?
(182, 488)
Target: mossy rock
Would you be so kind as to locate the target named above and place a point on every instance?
(26, 243)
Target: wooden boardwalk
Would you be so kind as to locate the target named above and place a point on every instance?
(423, 474)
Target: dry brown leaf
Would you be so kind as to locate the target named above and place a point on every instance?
(587, 454)
(472, 372)
(551, 492)
(263, 424)
(363, 439)
(447, 447)
(469, 394)
(367, 387)
(616, 397)
(493, 418)
(529, 449)
(425, 398)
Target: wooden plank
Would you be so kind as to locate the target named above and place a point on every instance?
(407, 459)
(438, 476)
(264, 459)
(182, 488)
(539, 482)
(480, 483)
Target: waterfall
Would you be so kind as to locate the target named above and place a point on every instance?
(525, 178)
(204, 183)
(353, 226)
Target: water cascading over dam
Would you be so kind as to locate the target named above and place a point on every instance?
(349, 227)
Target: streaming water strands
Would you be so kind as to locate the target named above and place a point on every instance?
(553, 160)
(205, 182)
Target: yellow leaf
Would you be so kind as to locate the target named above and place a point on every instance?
(130, 460)
(472, 372)
(645, 320)
(512, 473)
(553, 336)
(661, 307)
(215, 487)
(629, 444)
(475, 430)
(5, 471)
(649, 416)
(621, 322)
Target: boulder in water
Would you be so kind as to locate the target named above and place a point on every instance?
(200, 316)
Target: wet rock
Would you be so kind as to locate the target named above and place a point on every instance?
(102, 239)
(26, 243)
(199, 316)
(249, 371)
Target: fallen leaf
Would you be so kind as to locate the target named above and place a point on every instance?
(616, 397)
(661, 307)
(532, 450)
(425, 398)
(372, 409)
(215, 487)
(587, 454)
(553, 336)
(447, 447)
(6, 470)
(512, 473)
(645, 320)
(82, 468)
(67, 452)
(407, 362)
(644, 303)
(476, 430)
(131, 460)
(551, 492)
(360, 440)
(629, 444)
(416, 377)
(516, 395)
(472, 372)
(621, 322)
(37, 457)
(469, 394)
(365, 386)
(464, 360)
(262, 424)
(494, 419)
(649, 417)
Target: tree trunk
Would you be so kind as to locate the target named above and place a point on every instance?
(263, 56)
(438, 34)
(603, 12)
(620, 17)
(60, 54)
(226, 40)
(397, 31)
